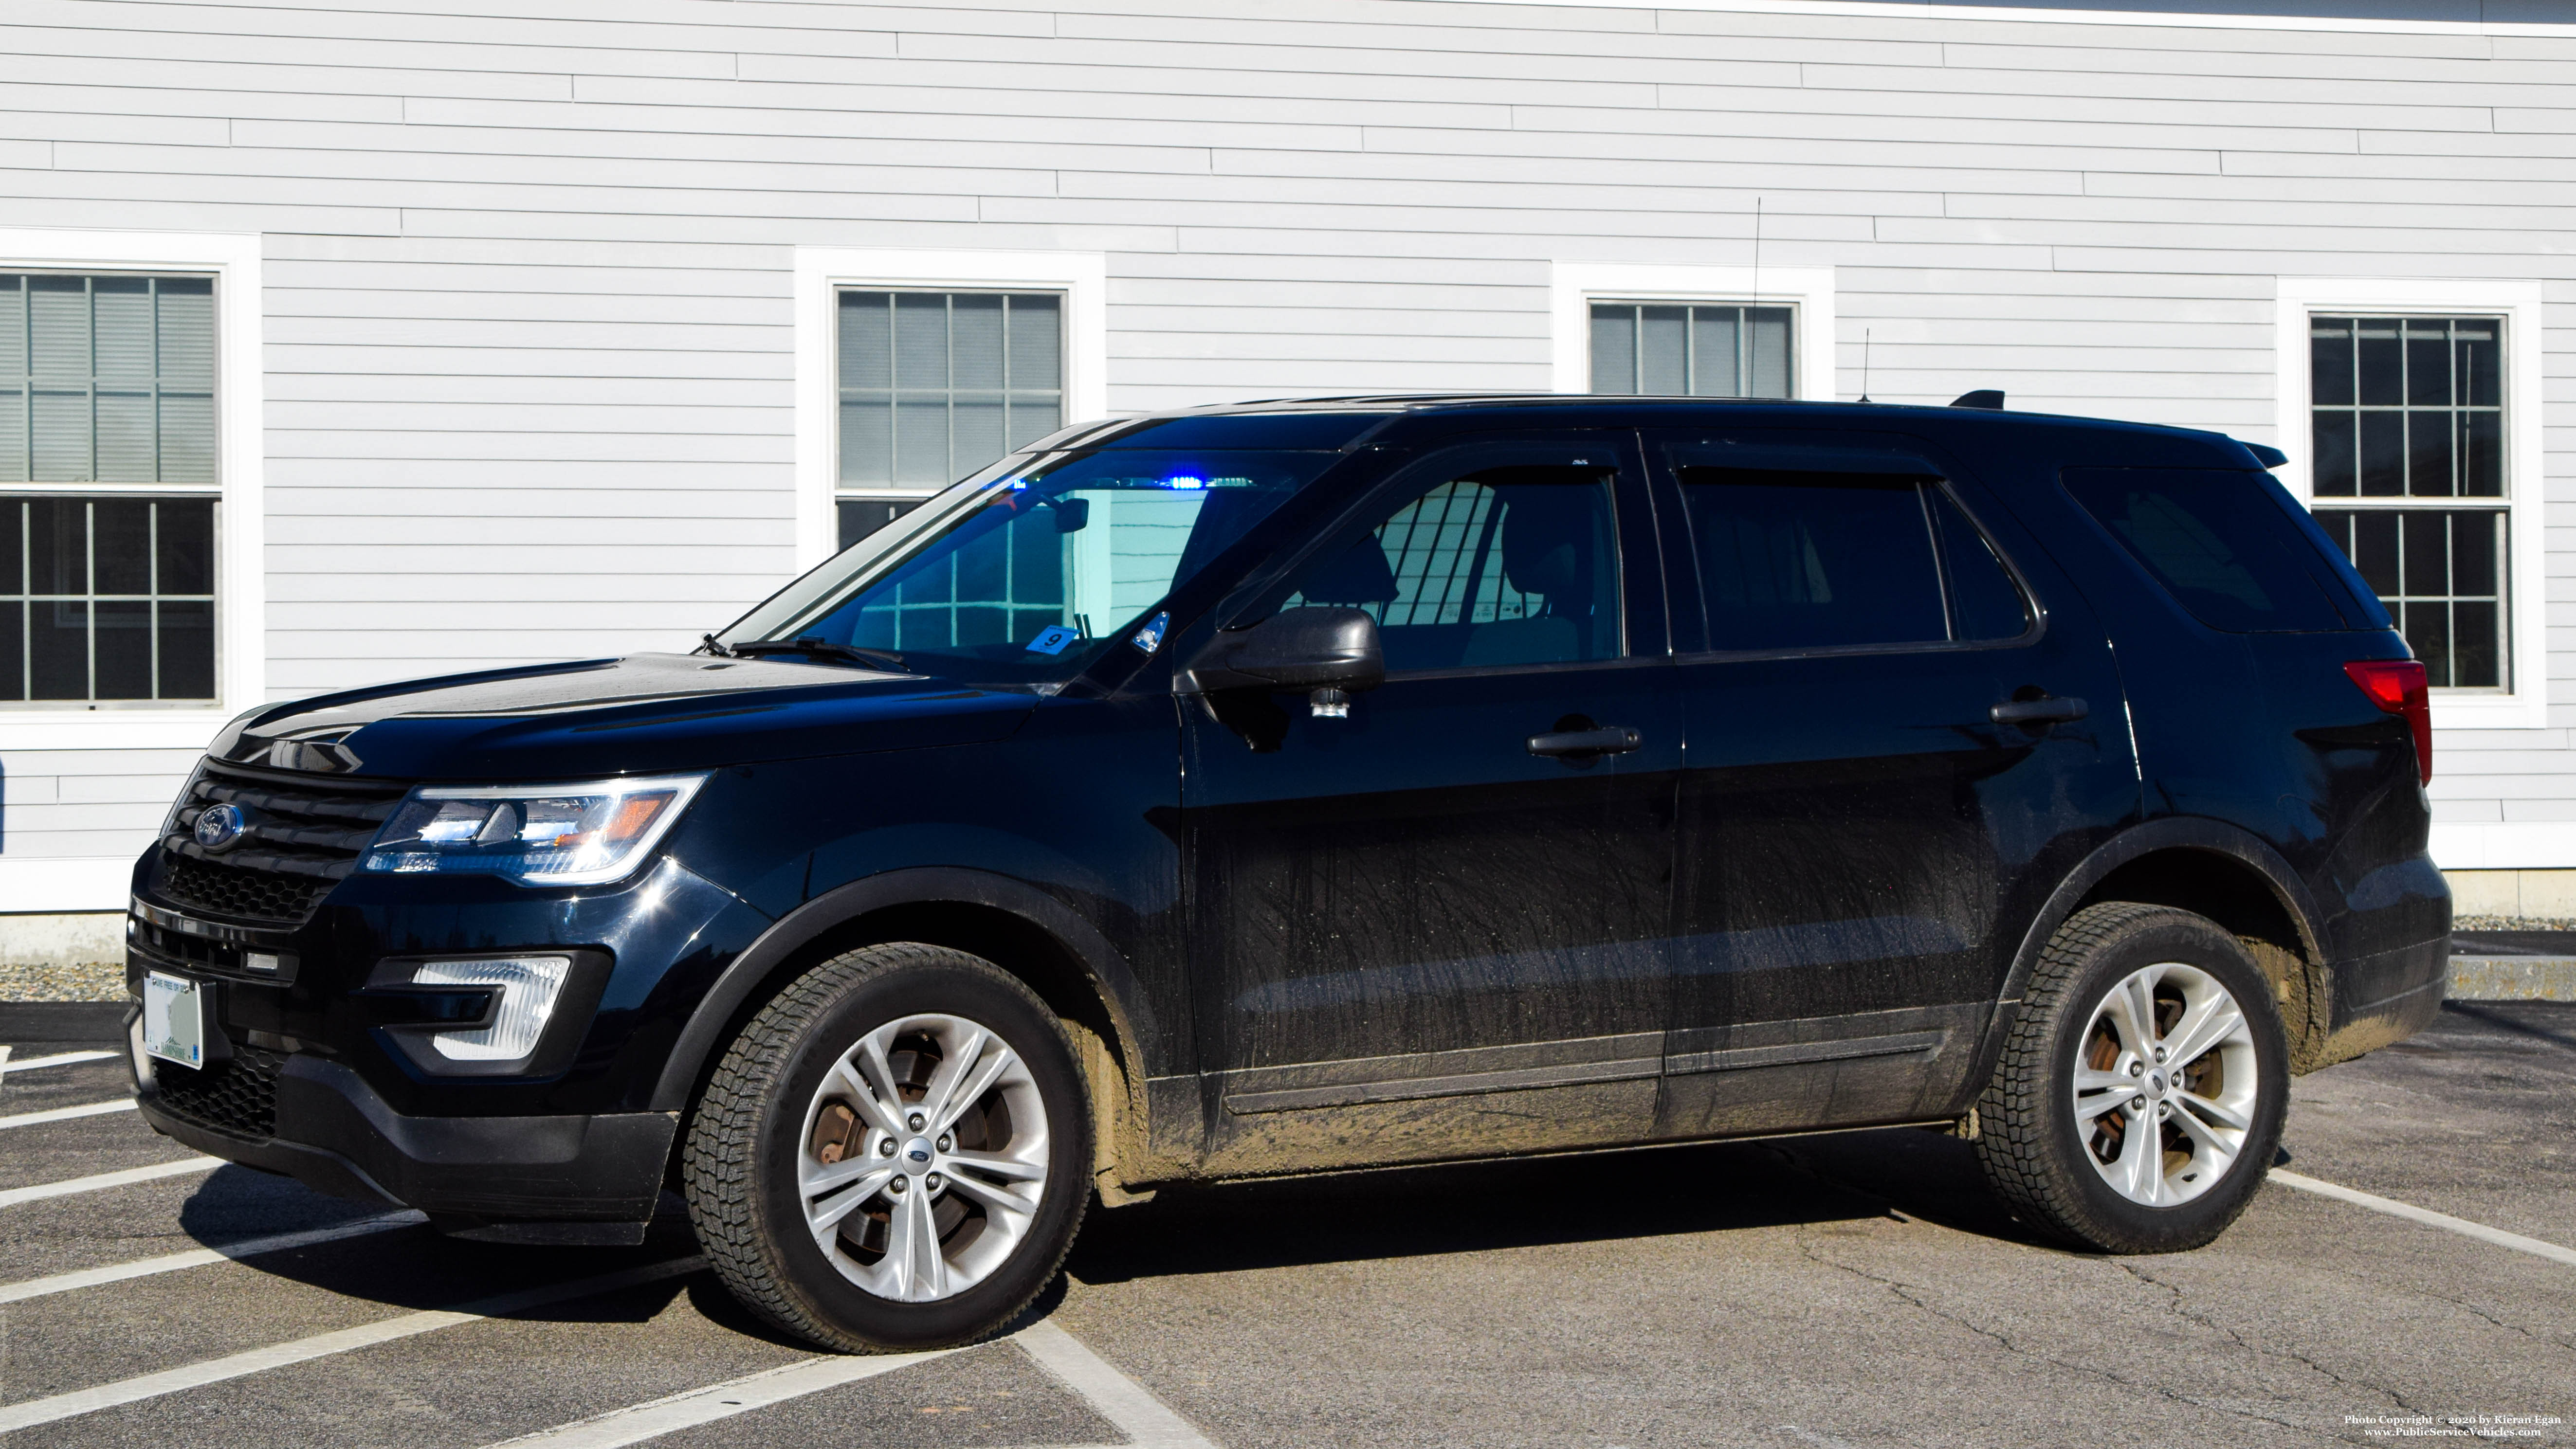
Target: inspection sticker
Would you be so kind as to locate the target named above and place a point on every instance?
(1053, 638)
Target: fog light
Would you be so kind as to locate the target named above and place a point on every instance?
(529, 987)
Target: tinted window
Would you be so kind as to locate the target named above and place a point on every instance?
(1024, 576)
(1493, 566)
(2217, 540)
(1985, 603)
(1812, 560)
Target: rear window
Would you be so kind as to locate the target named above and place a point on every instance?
(1839, 560)
(2221, 541)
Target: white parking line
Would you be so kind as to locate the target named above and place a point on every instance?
(70, 1185)
(59, 1059)
(199, 1257)
(1112, 1395)
(2428, 1217)
(718, 1401)
(322, 1345)
(65, 1114)
(1145, 1420)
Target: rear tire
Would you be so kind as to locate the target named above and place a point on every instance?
(893, 1154)
(2142, 1088)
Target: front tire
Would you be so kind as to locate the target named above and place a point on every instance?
(893, 1154)
(2143, 1087)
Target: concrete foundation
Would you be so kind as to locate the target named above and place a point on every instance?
(2509, 899)
(2512, 978)
(63, 958)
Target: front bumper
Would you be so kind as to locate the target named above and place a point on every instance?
(332, 1132)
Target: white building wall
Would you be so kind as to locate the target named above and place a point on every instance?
(528, 319)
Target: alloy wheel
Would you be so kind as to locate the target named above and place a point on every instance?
(923, 1157)
(2165, 1084)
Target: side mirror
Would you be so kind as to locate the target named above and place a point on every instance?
(1329, 653)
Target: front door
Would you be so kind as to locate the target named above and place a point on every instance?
(1902, 727)
(1433, 928)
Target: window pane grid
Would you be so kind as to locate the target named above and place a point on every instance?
(861, 514)
(2440, 574)
(106, 379)
(132, 621)
(2407, 407)
(2407, 421)
(1133, 536)
(1510, 565)
(934, 385)
(1641, 348)
(1439, 548)
(945, 606)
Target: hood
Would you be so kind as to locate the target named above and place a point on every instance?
(638, 715)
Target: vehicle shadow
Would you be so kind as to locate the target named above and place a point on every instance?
(1523, 1202)
(2509, 1016)
(412, 1266)
(1230, 1227)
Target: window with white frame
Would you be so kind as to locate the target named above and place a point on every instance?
(108, 486)
(1695, 349)
(934, 385)
(2407, 425)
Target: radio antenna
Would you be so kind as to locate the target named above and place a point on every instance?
(1757, 250)
(1864, 364)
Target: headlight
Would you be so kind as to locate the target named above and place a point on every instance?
(582, 834)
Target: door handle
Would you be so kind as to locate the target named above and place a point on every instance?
(2037, 711)
(1607, 740)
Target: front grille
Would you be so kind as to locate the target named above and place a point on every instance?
(302, 837)
(231, 891)
(237, 1096)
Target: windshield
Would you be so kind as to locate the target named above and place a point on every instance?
(1030, 573)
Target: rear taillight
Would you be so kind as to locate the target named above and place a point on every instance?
(2397, 686)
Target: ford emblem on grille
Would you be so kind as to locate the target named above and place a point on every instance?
(219, 827)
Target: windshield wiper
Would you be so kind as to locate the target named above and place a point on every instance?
(818, 649)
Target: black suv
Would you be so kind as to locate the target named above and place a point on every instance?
(1323, 785)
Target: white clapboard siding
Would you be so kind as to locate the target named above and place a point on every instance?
(75, 803)
(529, 330)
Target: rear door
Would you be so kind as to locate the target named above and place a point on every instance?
(2237, 620)
(1902, 728)
(1430, 929)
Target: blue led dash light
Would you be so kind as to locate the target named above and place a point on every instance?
(1184, 481)
(1150, 638)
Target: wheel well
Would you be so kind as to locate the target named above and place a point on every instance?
(2244, 903)
(1012, 942)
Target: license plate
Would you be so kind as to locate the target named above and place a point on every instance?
(174, 1019)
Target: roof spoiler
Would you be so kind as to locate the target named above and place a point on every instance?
(2269, 457)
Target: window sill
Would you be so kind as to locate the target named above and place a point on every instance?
(69, 884)
(110, 729)
(2527, 711)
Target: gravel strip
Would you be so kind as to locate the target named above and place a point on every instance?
(84, 981)
(2513, 923)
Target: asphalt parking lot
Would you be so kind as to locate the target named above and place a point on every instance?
(1856, 1290)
